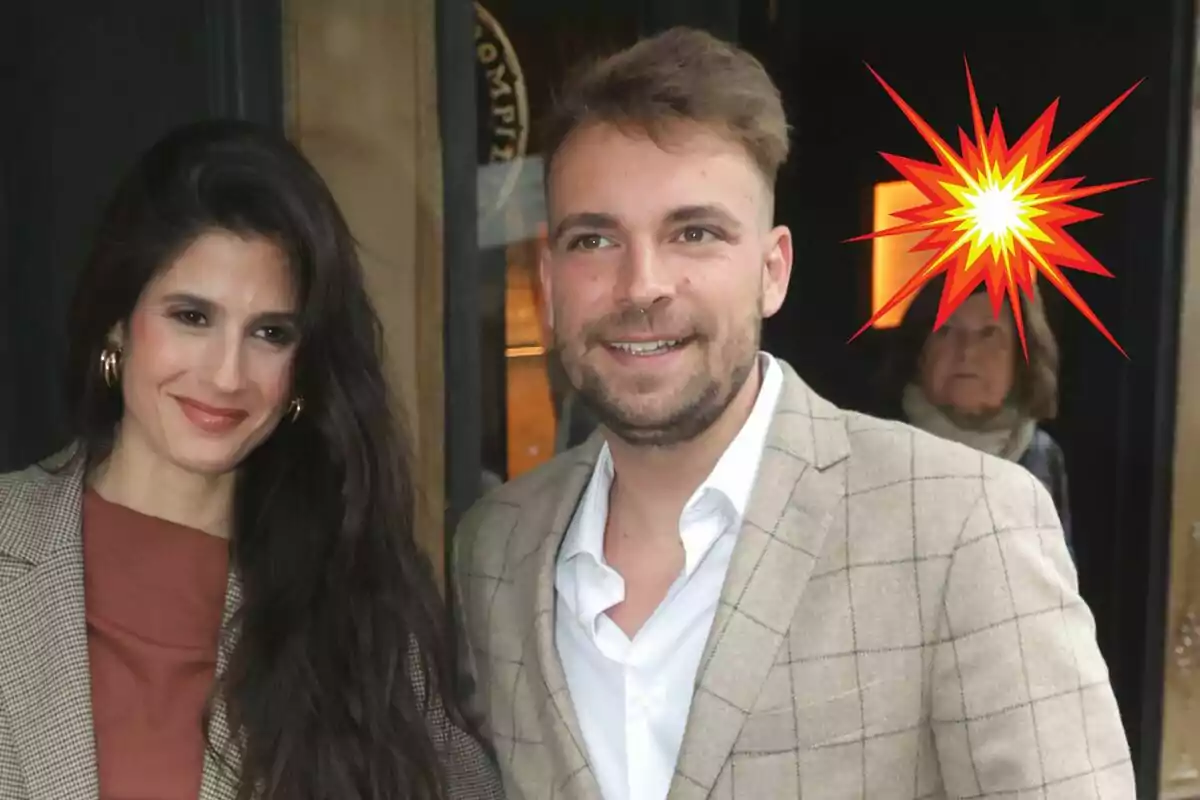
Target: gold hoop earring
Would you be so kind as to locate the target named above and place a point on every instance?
(110, 366)
(295, 407)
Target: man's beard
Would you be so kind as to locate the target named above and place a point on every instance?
(697, 405)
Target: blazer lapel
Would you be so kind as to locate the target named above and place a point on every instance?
(791, 510)
(45, 676)
(45, 683)
(546, 679)
(219, 780)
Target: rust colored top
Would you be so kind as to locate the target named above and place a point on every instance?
(154, 600)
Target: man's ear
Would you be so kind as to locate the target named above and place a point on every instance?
(777, 269)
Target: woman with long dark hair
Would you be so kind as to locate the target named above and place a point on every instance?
(215, 592)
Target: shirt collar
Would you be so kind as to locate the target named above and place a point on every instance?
(731, 480)
(737, 469)
(586, 532)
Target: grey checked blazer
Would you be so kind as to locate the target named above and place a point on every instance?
(900, 620)
(47, 747)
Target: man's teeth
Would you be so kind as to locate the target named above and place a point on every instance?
(646, 348)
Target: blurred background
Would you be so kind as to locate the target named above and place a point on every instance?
(421, 115)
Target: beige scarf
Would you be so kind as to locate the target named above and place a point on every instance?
(1007, 433)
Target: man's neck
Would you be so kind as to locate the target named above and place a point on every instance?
(653, 482)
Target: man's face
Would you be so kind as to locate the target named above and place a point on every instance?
(660, 266)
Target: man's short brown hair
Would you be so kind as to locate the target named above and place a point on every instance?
(680, 75)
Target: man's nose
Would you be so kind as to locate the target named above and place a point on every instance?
(646, 277)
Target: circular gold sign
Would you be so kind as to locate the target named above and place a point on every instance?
(503, 101)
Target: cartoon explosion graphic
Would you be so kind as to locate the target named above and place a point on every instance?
(993, 216)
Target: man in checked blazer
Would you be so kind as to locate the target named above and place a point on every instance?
(737, 589)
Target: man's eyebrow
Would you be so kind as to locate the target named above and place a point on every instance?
(703, 212)
(585, 219)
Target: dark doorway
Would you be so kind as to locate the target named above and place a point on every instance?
(86, 87)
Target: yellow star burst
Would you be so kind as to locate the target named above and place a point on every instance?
(993, 216)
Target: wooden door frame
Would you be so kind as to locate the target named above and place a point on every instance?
(1147, 746)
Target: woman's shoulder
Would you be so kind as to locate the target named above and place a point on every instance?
(1045, 445)
(1045, 459)
(33, 498)
(47, 471)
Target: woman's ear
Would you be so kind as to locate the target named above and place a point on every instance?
(116, 336)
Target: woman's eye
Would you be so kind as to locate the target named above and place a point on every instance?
(190, 317)
(276, 335)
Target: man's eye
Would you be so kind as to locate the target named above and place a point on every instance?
(589, 241)
(697, 235)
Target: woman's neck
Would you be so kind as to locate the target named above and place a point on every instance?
(135, 477)
(1006, 433)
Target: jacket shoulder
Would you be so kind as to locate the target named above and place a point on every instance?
(531, 483)
(33, 499)
(916, 453)
(928, 455)
(47, 471)
(18, 486)
(958, 483)
(500, 509)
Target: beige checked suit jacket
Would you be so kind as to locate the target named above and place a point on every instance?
(900, 620)
(47, 746)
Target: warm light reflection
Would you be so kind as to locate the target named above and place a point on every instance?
(993, 216)
(532, 422)
(892, 263)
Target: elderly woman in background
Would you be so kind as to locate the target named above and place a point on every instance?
(970, 382)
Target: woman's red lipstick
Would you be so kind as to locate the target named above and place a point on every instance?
(210, 419)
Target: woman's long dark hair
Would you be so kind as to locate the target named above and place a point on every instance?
(321, 691)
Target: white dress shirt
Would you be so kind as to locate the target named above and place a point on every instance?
(632, 696)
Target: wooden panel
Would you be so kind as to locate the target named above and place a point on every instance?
(531, 425)
(362, 104)
(522, 302)
(531, 419)
(893, 261)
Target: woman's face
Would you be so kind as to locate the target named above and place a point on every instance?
(207, 359)
(967, 364)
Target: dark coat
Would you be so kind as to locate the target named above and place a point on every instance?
(1046, 461)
